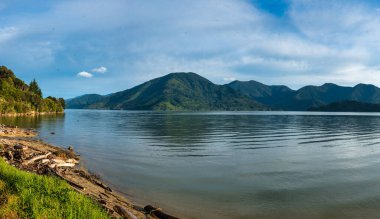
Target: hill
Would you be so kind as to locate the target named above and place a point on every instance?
(348, 106)
(18, 97)
(281, 97)
(83, 101)
(175, 91)
(275, 96)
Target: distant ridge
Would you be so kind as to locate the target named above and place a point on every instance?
(284, 98)
(189, 91)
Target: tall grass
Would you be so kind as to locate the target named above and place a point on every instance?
(27, 195)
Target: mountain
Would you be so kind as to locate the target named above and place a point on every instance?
(189, 91)
(175, 91)
(348, 106)
(275, 96)
(83, 101)
(281, 97)
(18, 97)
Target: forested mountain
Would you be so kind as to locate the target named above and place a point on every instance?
(275, 96)
(189, 91)
(283, 98)
(175, 91)
(83, 101)
(18, 97)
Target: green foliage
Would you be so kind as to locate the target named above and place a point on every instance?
(18, 97)
(27, 195)
(34, 88)
(6, 73)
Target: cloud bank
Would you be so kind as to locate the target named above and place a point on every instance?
(296, 42)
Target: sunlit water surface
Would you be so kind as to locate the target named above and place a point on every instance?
(229, 164)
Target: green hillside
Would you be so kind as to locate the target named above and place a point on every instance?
(18, 97)
(281, 97)
(175, 91)
(84, 100)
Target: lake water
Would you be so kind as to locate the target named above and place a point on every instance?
(230, 164)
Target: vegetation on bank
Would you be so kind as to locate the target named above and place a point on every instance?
(18, 97)
(27, 195)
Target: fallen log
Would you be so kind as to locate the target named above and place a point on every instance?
(36, 158)
(158, 213)
(75, 185)
(54, 165)
(65, 165)
(45, 160)
(71, 161)
(58, 161)
(124, 213)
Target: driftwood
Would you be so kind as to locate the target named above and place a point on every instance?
(54, 165)
(45, 160)
(36, 158)
(65, 165)
(76, 185)
(124, 213)
(158, 213)
(58, 161)
(72, 161)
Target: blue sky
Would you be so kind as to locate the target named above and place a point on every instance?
(74, 47)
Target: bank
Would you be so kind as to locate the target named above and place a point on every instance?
(39, 180)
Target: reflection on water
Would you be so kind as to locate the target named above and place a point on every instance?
(230, 164)
(33, 121)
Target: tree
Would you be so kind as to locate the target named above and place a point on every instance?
(6, 73)
(62, 102)
(34, 88)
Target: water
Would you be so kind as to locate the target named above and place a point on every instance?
(230, 164)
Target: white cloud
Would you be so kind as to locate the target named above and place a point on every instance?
(228, 79)
(84, 74)
(100, 70)
(7, 33)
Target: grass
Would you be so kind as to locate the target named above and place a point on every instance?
(28, 195)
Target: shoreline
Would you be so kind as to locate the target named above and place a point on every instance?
(30, 114)
(20, 150)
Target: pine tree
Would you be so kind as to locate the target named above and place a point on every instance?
(34, 88)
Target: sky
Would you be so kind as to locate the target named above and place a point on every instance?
(75, 47)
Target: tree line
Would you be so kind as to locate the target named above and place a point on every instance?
(18, 97)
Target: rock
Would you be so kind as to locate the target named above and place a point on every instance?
(20, 147)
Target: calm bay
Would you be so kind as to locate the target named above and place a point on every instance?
(229, 164)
